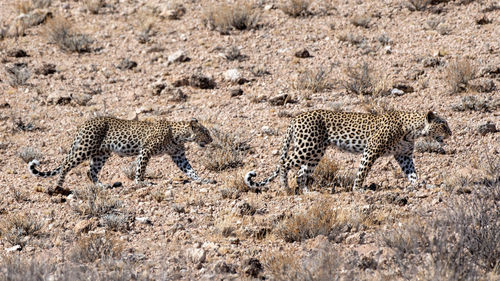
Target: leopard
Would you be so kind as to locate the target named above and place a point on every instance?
(373, 135)
(99, 137)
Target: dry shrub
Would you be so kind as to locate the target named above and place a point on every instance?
(224, 17)
(117, 221)
(61, 32)
(175, 10)
(325, 173)
(146, 30)
(459, 73)
(317, 80)
(418, 5)
(29, 153)
(322, 264)
(18, 74)
(461, 243)
(95, 202)
(93, 6)
(96, 247)
(17, 229)
(15, 268)
(295, 8)
(235, 181)
(363, 80)
(328, 175)
(319, 219)
(225, 152)
(130, 170)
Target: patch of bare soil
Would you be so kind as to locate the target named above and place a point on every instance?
(244, 69)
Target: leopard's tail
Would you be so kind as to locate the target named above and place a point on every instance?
(284, 155)
(32, 167)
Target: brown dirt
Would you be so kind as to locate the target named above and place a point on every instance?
(168, 240)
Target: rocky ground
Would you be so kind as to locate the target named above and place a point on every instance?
(243, 69)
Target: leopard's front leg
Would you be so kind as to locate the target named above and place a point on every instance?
(181, 161)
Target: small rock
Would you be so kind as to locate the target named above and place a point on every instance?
(397, 92)
(178, 56)
(202, 82)
(275, 152)
(234, 76)
(236, 92)
(117, 184)
(252, 267)
(421, 194)
(303, 53)
(157, 88)
(281, 100)
(266, 130)
(17, 53)
(59, 98)
(403, 87)
(81, 98)
(483, 20)
(14, 249)
(203, 190)
(268, 7)
(487, 128)
(197, 255)
(126, 64)
(144, 220)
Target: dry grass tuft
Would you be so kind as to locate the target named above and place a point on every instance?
(459, 73)
(96, 247)
(325, 173)
(117, 222)
(18, 229)
(29, 153)
(61, 32)
(319, 219)
(235, 181)
(317, 80)
(224, 17)
(95, 202)
(296, 8)
(225, 152)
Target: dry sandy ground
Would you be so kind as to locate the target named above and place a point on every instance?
(199, 231)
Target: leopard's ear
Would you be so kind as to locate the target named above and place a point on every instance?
(431, 116)
(193, 122)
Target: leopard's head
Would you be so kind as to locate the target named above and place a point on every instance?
(198, 133)
(436, 127)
